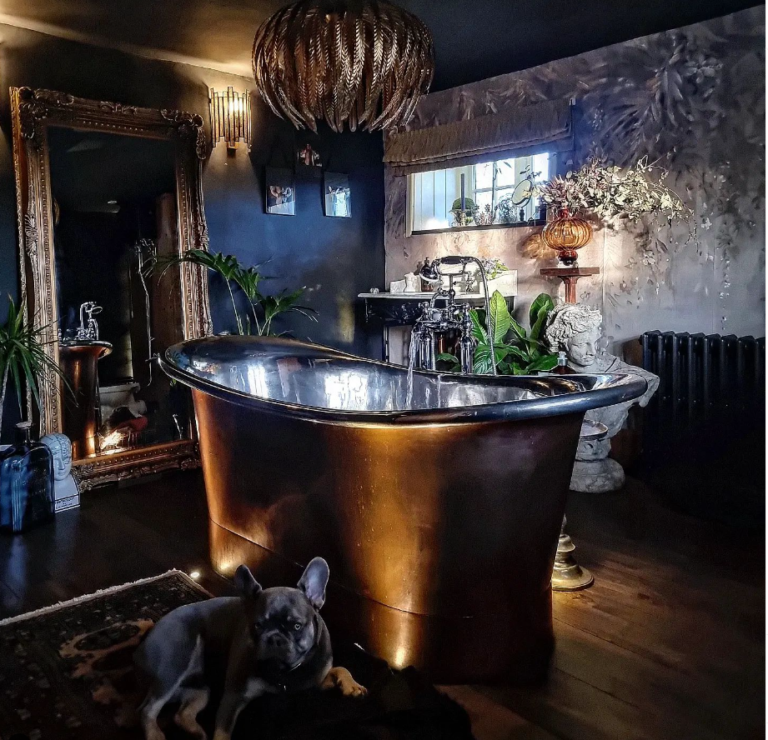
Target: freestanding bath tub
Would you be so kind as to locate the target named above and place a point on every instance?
(439, 517)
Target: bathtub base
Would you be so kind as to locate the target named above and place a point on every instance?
(510, 647)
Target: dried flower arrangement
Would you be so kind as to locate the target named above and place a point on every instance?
(614, 193)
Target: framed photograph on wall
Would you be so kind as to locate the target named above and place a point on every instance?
(337, 195)
(281, 191)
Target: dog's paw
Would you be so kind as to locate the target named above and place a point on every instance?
(353, 688)
(347, 685)
(340, 678)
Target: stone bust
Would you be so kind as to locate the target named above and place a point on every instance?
(61, 450)
(576, 330)
(65, 489)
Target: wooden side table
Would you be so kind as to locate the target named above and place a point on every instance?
(570, 276)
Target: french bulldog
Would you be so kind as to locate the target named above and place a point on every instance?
(263, 641)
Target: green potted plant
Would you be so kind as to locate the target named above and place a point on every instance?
(262, 309)
(23, 360)
(468, 215)
(517, 351)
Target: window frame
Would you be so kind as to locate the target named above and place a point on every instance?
(555, 165)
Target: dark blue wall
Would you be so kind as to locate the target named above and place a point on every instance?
(335, 258)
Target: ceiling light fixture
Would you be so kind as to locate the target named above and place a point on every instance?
(230, 117)
(355, 62)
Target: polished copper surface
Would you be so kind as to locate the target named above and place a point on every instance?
(440, 536)
(80, 413)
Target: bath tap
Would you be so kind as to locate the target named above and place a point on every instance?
(454, 316)
(88, 331)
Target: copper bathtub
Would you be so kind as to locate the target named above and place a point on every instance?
(439, 516)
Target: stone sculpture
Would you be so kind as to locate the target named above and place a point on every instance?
(65, 491)
(576, 330)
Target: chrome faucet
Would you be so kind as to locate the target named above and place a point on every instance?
(88, 330)
(453, 316)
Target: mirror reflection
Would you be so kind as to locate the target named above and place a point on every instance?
(114, 214)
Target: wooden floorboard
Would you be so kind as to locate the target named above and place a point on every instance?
(668, 643)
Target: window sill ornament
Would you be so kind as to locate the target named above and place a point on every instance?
(355, 62)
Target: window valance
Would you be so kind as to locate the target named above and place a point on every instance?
(517, 132)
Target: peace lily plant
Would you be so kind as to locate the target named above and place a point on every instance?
(517, 351)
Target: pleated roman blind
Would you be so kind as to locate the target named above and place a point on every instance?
(517, 132)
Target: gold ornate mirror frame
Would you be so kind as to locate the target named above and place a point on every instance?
(33, 112)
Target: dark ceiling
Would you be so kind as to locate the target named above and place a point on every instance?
(474, 39)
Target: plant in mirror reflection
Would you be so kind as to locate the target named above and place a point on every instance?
(262, 309)
(517, 351)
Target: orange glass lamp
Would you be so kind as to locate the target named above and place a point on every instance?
(231, 118)
(565, 234)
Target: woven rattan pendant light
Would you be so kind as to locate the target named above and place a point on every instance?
(355, 62)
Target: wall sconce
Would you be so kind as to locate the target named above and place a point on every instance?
(231, 117)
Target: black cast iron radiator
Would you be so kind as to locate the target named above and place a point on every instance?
(704, 430)
(704, 378)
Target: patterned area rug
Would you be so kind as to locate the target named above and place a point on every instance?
(66, 672)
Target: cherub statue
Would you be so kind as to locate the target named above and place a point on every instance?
(576, 330)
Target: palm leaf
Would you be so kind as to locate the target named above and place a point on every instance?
(23, 359)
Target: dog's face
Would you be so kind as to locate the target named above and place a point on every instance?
(283, 621)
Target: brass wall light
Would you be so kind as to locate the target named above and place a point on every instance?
(231, 117)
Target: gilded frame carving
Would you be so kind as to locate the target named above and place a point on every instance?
(33, 111)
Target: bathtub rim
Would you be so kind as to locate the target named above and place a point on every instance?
(613, 388)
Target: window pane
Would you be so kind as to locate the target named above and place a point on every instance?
(503, 193)
(541, 165)
(484, 175)
(505, 172)
(483, 199)
(433, 194)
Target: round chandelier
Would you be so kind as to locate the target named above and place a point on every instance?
(355, 62)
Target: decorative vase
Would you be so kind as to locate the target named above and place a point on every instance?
(565, 234)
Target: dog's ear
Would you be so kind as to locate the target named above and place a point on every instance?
(314, 580)
(246, 583)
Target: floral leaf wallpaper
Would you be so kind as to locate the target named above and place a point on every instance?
(692, 98)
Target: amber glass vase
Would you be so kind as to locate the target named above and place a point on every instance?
(565, 234)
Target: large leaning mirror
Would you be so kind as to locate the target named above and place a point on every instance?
(107, 195)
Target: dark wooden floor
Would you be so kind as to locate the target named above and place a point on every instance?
(668, 643)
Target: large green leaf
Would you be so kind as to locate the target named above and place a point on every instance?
(500, 316)
(543, 300)
(482, 359)
(517, 329)
(478, 327)
(545, 363)
(454, 365)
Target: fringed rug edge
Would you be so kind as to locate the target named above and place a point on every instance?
(102, 592)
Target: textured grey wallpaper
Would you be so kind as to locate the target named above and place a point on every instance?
(694, 98)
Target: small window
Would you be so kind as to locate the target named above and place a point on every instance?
(495, 194)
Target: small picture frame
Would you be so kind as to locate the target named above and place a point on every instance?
(337, 195)
(280, 191)
(307, 156)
